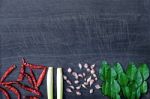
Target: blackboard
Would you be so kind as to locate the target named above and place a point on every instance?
(63, 33)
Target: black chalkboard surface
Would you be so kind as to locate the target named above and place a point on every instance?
(62, 33)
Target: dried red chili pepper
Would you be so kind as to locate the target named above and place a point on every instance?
(22, 71)
(29, 78)
(33, 66)
(41, 77)
(33, 78)
(7, 72)
(9, 83)
(25, 87)
(14, 90)
(5, 93)
(30, 97)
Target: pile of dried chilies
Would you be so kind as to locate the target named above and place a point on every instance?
(35, 83)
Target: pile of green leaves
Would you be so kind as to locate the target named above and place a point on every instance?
(129, 84)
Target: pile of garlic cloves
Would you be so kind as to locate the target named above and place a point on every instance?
(84, 78)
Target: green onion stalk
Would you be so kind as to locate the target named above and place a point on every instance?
(50, 83)
(59, 83)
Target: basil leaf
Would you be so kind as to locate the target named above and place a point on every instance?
(103, 71)
(144, 87)
(138, 78)
(144, 71)
(122, 79)
(118, 68)
(131, 72)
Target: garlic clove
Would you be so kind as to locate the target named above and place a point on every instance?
(92, 66)
(69, 70)
(91, 91)
(94, 75)
(76, 77)
(92, 71)
(86, 65)
(80, 65)
(89, 79)
(84, 74)
(78, 93)
(96, 79)
(72, 87)
(84, 86)
(80, 75)
(88, 70)
(91, 82)
(74, 74)
(76, 81)
(65, 77)
(69, 82)
(78, 87)
(85, 83)
(97, 86)
(69, 90)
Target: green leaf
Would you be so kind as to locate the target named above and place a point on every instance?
(143, 87)
(110, 88)
(115, 87)
(111, 75)
(138, 78)
(103, 71)
(133, 95)
(118, 68)
(144, 71)
(133, 86)
(126, 91)
(117, 96)
(138, 93)
(122, 79)
(131, 72)
(106, 88)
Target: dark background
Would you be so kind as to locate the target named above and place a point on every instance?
(66, 32)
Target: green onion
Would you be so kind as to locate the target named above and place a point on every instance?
(50, 83)
(59, 83)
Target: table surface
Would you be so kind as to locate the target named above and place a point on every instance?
(63, 33)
